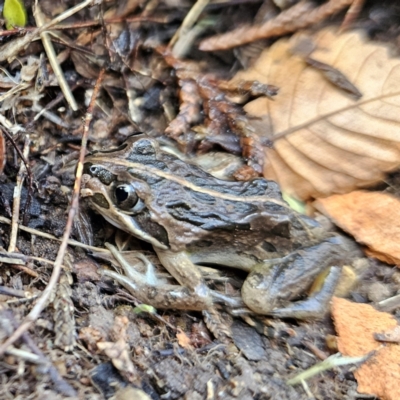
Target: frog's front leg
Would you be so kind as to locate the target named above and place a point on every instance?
(181, 267)
(192, 295)
(149, 290)
(271, 286)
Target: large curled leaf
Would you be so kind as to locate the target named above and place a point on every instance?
(327, 140)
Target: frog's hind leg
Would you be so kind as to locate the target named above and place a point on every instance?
(316, 305)
(274, 287)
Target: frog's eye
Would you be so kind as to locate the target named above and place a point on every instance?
(125, 196)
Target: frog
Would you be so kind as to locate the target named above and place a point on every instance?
(193, 218)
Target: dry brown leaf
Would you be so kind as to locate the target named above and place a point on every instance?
(356, 325)
(369, 217)
(120, 356)
(325, 139)
(183, 339)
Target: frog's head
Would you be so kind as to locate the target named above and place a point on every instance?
(118, 186)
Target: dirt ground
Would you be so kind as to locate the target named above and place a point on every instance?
(94, 340)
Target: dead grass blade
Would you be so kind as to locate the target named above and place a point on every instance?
(299, 16)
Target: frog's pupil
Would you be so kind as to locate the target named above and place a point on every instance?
(121, 193)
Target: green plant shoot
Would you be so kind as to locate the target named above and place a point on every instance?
(14, 12)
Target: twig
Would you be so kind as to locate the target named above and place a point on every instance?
(299, 16)
(333, 361)
(13, 128)
(189, 21)
(28, 170)
(51, 54)
(88, 24)
(17, 198)
(71, 242)
(307, 390)
(352, 14)
(25, 355)
(7, 291)
(185, 42)
(42, 301)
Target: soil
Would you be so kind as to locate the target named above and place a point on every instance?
(92, 341)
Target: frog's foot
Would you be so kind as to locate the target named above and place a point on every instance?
(148, 289)
(316, 305)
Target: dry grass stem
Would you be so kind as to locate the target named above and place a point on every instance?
(17, 198)
(51, 54)
(352, 14)
(189, 21)
(297, 17)
(17, 88)
(13, 128)
(45, 235)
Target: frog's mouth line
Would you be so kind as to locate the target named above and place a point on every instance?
(122, 221)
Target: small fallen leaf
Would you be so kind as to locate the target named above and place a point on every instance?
(368, 216)
(14, 13)
(356, 325)
(119, 354)
(141, 308)
(325, 139)
(183, 339)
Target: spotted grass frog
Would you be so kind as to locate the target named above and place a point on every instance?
(190, 217)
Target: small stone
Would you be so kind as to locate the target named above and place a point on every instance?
(379, 291)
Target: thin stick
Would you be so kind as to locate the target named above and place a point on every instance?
(189, 20)
(51, 54)
(42, 301)
(45, 235)
(88, 24)
(17, 198)
(28, 170)
(13, 128)
(352, 13)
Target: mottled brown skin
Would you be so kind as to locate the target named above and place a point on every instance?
(190, 217)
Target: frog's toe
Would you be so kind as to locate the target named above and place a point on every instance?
(315, 306)
(264, 298)
(148, 289)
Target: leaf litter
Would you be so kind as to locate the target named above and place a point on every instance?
(356, 325)
(140, 93)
